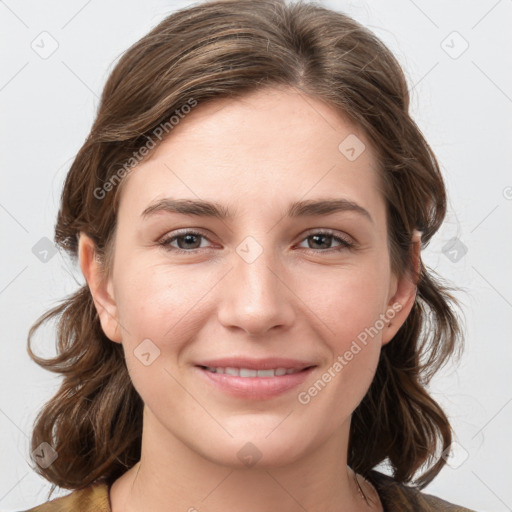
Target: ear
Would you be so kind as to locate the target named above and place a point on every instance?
(403, 293)
(101, 289)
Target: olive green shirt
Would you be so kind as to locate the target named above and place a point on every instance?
(395, 497)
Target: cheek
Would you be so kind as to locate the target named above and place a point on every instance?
(352, 308)
(154, 300)
(349, 301)
(351, 313)
(155, 306)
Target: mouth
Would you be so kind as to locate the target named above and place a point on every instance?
(252, 373)
(255, 380)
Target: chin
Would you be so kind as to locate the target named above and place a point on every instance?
(256, 451)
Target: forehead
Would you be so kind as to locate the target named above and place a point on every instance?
(270, 147)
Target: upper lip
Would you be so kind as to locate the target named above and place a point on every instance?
(256, 364)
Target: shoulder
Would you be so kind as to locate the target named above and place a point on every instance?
(395, 497)
(94, 498)
(398, 497)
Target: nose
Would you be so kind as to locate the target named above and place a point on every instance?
(256, 296)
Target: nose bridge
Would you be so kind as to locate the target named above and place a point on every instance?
(256, 299)
(254, 267)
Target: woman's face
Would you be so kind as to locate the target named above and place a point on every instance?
(274, 279)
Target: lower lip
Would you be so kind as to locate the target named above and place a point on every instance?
(255, 387)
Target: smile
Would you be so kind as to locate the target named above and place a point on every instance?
(251, 373)
(253, 384)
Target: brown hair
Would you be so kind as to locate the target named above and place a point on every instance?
(225, 49)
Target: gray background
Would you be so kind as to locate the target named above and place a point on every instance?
(462, 101)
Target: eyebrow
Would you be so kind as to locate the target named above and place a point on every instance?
(203, 208)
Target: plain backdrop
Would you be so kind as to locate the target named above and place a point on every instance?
(55, 58)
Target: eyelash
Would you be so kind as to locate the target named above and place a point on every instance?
(345, 244)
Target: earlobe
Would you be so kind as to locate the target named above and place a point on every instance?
(404, 296)
(100, 288)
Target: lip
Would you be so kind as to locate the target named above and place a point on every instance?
(255, 388)
(256, 364)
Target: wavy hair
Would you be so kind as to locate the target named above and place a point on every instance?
(226, 49)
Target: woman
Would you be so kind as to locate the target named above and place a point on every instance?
(275, 361)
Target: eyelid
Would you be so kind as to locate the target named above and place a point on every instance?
(326, 231)
(182, 232)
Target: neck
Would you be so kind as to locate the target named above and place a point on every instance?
(171, 476)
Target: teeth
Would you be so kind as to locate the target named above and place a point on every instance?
(265, 373)
(246, 372)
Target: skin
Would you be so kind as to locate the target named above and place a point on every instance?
(296, 299)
